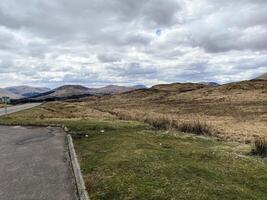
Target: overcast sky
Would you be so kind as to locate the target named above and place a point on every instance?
(127, 42)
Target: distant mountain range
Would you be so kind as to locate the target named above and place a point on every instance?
(111, 89)
(139, 86)
(63, 92)
(5, 93)
(210, 83)
(77, 91)
(27, 91)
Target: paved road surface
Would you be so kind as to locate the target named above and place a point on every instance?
(14, 109)
(34, 164)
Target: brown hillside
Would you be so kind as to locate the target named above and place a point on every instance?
(237, 111)
(262, 77)
(179, 87)
(112, 89)
(5, 93)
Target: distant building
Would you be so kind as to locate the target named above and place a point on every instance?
(5, 99)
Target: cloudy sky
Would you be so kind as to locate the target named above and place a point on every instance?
(128, 42)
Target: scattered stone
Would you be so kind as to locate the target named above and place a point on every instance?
(66, 129)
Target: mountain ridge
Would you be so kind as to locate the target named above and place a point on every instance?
(77, 91)
(5, 93)
(26, 91)
(262, 77)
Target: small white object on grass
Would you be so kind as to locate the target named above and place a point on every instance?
(86, 135)
(102, 131)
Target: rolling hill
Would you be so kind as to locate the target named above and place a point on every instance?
(214, 84)
(235, 111)
(74, 92)
(77, 91)
(262, 77)
(111, 89)
(179, 87)
(62, 93)
(139, 86)
(27, 91)
(5, 93)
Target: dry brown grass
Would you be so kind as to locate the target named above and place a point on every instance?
(165, 122)
(260, 147)
(236, 111)
(67, 110)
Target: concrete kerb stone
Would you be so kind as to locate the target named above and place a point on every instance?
(82, 193)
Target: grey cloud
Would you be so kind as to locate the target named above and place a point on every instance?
(80, 78)
(210, 72)
(107, 58)
(251, 64)
(7, 66)
(133, 69)
(100, 42)
(151, 12)
(240, 25)
(80, 18)
(137, 38)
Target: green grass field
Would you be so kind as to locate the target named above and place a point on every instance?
(130, 160)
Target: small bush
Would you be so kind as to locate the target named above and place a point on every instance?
(260, 147)
(159, 122)
(164, 122)
(196, 127)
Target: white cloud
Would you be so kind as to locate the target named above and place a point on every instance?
(98, 42)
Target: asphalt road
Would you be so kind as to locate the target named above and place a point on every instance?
(34, 164)
(14, 109)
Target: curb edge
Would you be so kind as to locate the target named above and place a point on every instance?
(82, 193)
